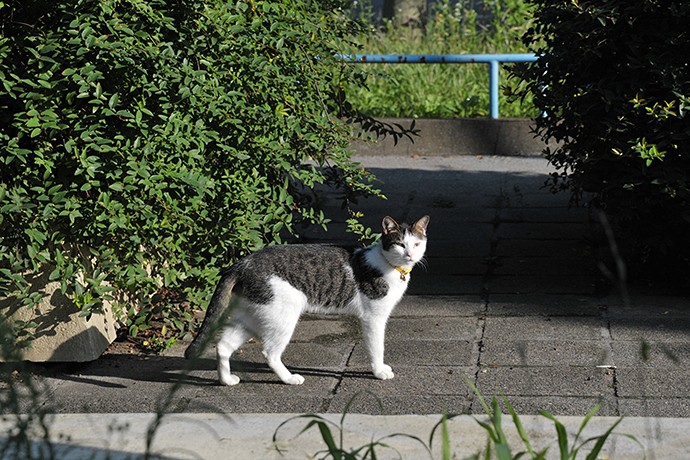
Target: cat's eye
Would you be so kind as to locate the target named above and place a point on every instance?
(417, 244)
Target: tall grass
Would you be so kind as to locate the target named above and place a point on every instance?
(443, 90)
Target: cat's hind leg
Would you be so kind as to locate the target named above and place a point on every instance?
(231, 339)
(276, 340)
(277, 323)
(274, 346)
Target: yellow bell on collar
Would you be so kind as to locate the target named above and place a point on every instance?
(403, 272)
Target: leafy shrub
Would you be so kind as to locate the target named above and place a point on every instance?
(613, 82)
(146, 143)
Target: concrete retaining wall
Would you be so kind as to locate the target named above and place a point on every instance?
(61, 334)
(462, 136)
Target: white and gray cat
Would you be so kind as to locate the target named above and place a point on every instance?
(270, 289)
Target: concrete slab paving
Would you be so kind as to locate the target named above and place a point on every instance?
(415, 352)
(440, 306)
(543, 305)
(427, 328)
(656, 408)
(562, 405)
(543, 328)
(508, 300)
(542, 284)
(545, 352)
(657, 354)
(430, 284)
(554, 380)
(662, 329)
(671, 382)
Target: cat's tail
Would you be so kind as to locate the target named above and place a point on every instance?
(216, 314)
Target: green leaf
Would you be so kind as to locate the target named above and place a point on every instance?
(112, 102)
(38, 236)
(55, 274)
(124, 114)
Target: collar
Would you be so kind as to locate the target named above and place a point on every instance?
(403, 272)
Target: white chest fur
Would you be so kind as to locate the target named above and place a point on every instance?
(397, 284)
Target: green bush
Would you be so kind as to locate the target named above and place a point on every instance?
(613, 82)
(146, 143)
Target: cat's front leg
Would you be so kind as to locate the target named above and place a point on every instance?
(374, 331)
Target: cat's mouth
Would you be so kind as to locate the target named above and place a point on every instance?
(406, 261)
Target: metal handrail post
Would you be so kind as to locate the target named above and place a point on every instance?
(493, 89)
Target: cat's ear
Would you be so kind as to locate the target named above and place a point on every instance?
(389, 225)
(420, 225)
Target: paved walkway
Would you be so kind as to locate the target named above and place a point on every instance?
(510, 301)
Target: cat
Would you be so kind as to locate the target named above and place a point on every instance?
(271, 288)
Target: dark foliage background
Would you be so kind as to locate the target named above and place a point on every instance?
(613, 81)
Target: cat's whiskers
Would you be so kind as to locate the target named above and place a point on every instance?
(423, 264)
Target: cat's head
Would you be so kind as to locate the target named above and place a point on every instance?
(403, 244)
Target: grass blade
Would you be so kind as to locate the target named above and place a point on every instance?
(313, 420)
(502, 451)
(487, 410)
(487, 452)
(489, 428)
(562, 434)
(584, 423)
(496, 419)
(403, 435)
(438, 425)
(601, 440)
(445, 439)
(518, 426)
(327, 437)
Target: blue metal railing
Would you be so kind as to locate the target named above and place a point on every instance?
(493, 60)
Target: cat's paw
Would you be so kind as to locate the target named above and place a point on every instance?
(384, 372)
(294, 379)
(229, 380)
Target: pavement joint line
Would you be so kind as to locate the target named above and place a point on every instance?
(492, 258)
(341, 373)
(607, 339)
(479, 347)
